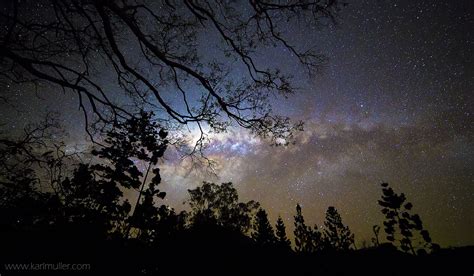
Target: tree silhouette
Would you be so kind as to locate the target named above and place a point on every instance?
(127, 144)
(167, 224)
(40, 43)
(88, 195)
(263, 231)
(82, 209)
(219, 204)
(307, 240)
(22, 205)
(282, 240)
(337, 236)
(397, 213)
(375, 239)
(301, 231)
(89, 201)
(29, 165)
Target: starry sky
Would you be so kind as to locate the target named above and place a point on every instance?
(394, 103)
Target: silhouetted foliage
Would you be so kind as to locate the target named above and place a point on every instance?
(263, 231)
(129, 143)
(167, 223)
(219, 204)
(82, 211)
(307, 239)
(145, 46)
(301, 231)
(337, 236)
(397, 213)
(282, 240)
(91, 195)
(89, 200)
(29, 165)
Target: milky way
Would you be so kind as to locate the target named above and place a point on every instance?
(394, 103)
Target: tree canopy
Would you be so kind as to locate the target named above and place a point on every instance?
(149, 50)
(337, 235)
(219, 204)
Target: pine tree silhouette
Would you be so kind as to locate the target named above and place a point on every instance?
(282, 240)
(263, 231)
(301, 232)
(337, 236)
(307, 240)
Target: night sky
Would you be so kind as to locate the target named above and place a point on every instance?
(394, 103)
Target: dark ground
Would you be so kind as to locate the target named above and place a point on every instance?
(215, 251)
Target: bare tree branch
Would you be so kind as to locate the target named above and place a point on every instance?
(153, 51)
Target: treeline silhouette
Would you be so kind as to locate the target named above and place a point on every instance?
(56, 207)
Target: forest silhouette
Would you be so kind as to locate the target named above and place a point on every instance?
(55, 206)
(206, 66)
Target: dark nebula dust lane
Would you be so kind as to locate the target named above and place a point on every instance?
(394, 103)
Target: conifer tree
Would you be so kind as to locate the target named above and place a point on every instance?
(263, 231)
(307, 240)
(300, 230)
(281, 238)
(337, 236)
